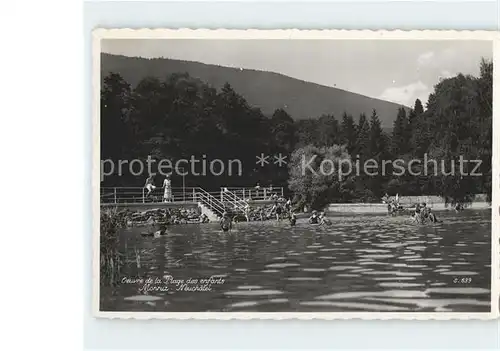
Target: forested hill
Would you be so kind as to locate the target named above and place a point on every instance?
(266, 90)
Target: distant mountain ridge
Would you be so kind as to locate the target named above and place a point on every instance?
(265, 90)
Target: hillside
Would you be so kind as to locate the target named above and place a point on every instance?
(266, 90)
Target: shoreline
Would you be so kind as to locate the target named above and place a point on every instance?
(370, 208)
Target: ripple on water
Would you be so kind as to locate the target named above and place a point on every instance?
(313, 269)
(459, 291)
(417, 248)
(393, 278)
(441, 270)
(348, 275)
(410, 258)
(342, 268)
(372, 250)
(435, 303)
(390, 245)
(278, 300)
(361, 270)
(303, 279)
(399, 285)
(381, 256)
(459, 273)
(363, 294)
(143, 298)
(396, 273)
(282, 265)
(413, 242)
(249, 287)
(372, 263)
(353, 305)
(243, 304)
(253, 292)
(270, 271)
(439, 284)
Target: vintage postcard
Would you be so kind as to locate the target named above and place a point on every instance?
(295, 174)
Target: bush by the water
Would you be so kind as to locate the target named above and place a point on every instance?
(110, 258)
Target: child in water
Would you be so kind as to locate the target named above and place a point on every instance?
(226, 222)
(323, 219)
(314, 218)
(278, 212)
(293, 219)
(427, 213)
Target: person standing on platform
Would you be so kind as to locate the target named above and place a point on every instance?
(150, 186)
(167, 189)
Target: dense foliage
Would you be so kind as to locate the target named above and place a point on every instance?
(181, 117)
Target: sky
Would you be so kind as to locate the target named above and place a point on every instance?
(392, 70)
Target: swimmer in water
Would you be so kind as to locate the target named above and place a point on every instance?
(226, 222)
(427, 213)
(278, 212)
(323, 219)
(314, 218)
(292, 219)
(417, 216)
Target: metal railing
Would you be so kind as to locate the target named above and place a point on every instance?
(254, 193)
(210, 201)
(139, 195)
(236, 203)
(120, 195)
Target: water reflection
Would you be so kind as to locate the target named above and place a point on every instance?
(368, 263)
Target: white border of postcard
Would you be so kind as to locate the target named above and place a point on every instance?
(293, 34)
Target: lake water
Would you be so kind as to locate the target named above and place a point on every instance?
(358, 264)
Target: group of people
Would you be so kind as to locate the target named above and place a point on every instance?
(280, 209)
(420, 215)
(319, 218)
(393, 205)
(167, 188)
(423, 212)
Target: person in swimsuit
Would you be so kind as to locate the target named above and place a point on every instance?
(432, 216)
(314, 218)
(247, 211)
(279, 210)
(292, 219)
(323, 219)
(226, 222)
(150, 187)
(385, 199)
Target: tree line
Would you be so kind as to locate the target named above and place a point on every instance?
(182, 116)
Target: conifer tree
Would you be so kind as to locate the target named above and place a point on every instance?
(349, 133)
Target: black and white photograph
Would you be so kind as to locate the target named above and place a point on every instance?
(285, 174)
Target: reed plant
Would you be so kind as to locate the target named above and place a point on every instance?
(111, 259)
